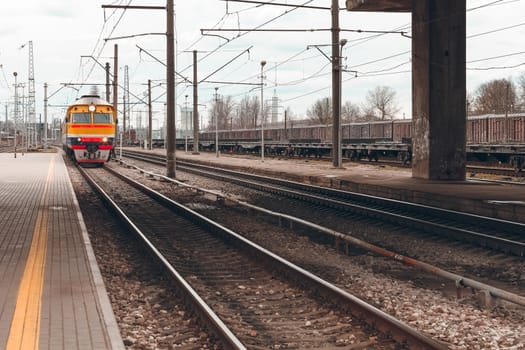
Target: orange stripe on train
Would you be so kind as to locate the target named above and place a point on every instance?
(90, 126)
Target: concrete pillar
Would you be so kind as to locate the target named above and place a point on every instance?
(439, 89)
(438, 83)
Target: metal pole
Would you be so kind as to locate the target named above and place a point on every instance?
(24, 122)
(107, 81)
(115, 93)
(185, 123)
(120, 150)
(27, 122)
(16, 112)
(285, 120)
(195, 106)
(506, 128)
(127, 107)
(150, 117)
(170, 78)
(216, 109)
(45, 115)
(125, 103)
(6, 127)
(165, 126)
(336, 88)
(262, 112)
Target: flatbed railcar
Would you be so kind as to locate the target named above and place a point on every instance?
(497, 138)
(370, 140)
(88, 130)
(490, 138)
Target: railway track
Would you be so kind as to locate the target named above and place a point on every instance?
(500, 235)
(345, 241)
(263, 309)
(495, 271)
(508, 282)
(473, 169)
(21, 149)
(6, 149)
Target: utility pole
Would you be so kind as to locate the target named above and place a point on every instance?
(31, 93)
(263, 63)
(107, 82)
(31, 118)
(285, 126)
(195, 106)
(6, 128)
(506, 128)
(127, 106)
(170, 78)
(15, 119)
(336, 88)
(115, 93)
(126, 101)
(150, 117)
(45, 115)
(216, 113)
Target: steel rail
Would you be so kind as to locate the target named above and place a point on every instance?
(229, 340)
(375, 317)
(460, 281)
(502, 244)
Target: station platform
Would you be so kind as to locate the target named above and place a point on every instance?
(52, 295)
(503, 201)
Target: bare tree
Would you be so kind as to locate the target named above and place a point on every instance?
(496, 96)
(368, 113)
(350, 112)
(320, 112)
(382, 102)
(521, 92)
(249, 110)
(470, 103)
(222, 111)
(226, 112)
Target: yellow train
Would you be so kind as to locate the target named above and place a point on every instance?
(88, 130)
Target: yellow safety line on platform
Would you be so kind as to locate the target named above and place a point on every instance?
(25, 327)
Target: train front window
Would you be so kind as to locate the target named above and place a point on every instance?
(102, 118)
(81, 118)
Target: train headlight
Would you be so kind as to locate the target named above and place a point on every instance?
(92, 108)
(79, 139)
(105, 139)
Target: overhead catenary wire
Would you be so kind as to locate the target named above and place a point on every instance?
(494, 3)
(316, 74)
(382, 33)
(262, 3)
(388, 71)
(246, 32)
(495, 30)
(497, 67)
(5, 79)
(104, 41)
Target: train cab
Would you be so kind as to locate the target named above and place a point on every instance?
(88, 131)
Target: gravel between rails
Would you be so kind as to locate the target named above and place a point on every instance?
(147, 314)
(459, 322)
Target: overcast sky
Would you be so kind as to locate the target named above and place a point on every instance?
(64, 30)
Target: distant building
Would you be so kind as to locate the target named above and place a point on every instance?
(186, 124)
